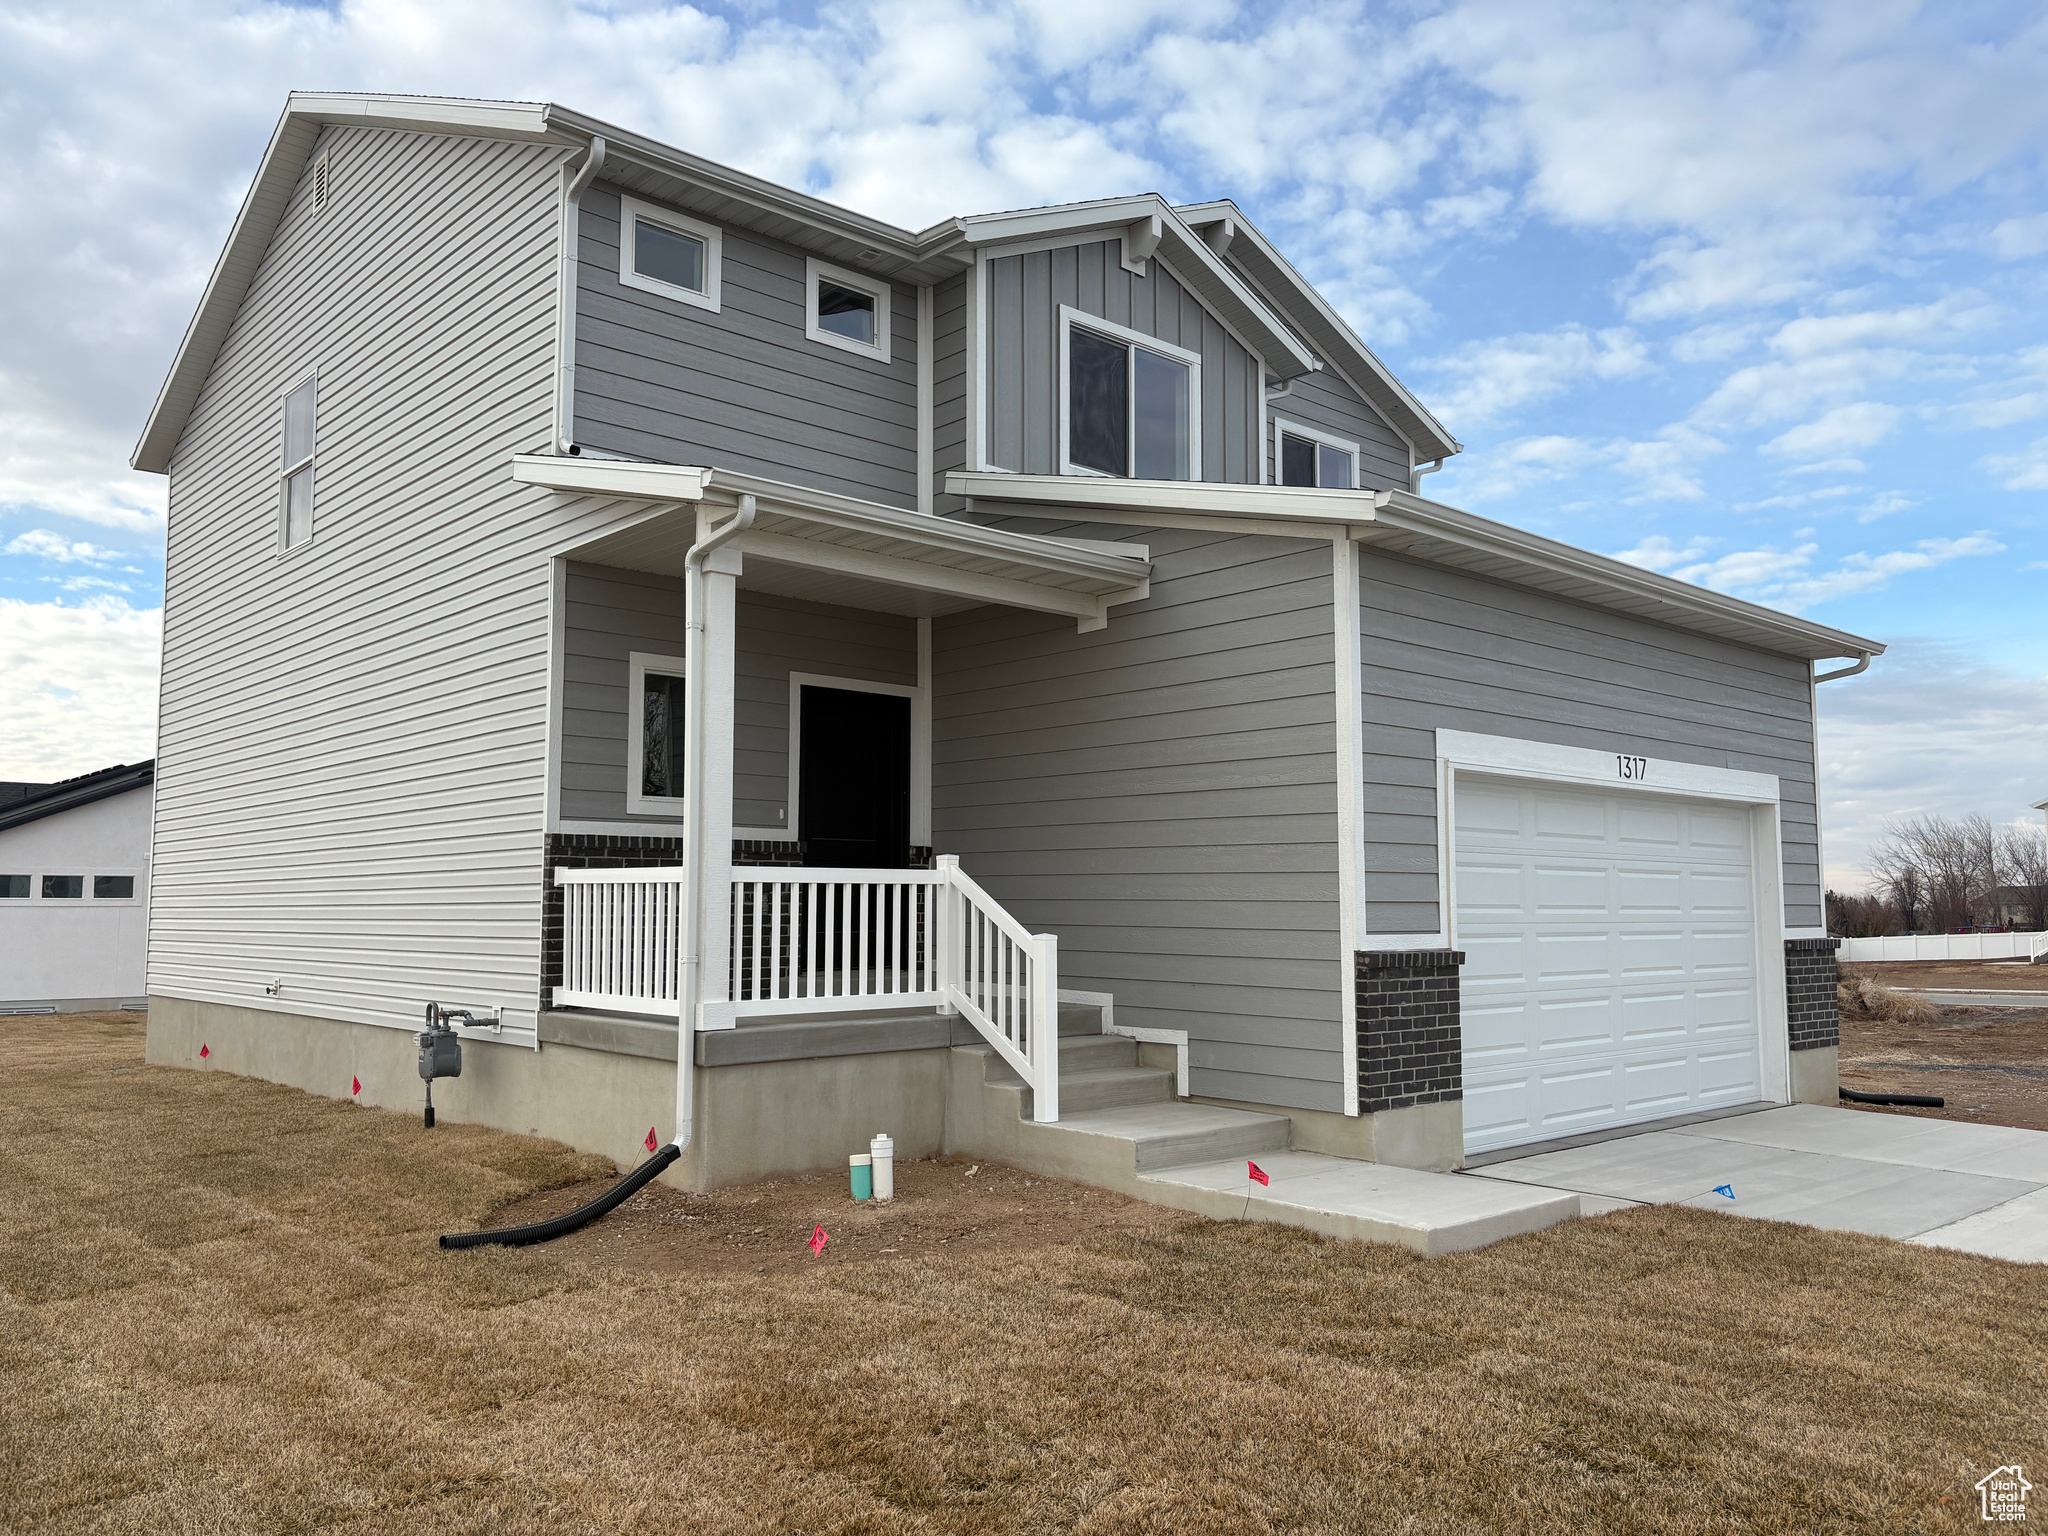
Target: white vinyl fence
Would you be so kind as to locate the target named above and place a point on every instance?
(825, 941)
(1946, 946)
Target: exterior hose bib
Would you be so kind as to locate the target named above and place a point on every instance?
(561, 1226)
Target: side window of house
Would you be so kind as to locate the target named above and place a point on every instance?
(848, 310)
(113, 887)
(1130, 403)
(654, 734)
(1314, 458)
(63, 887)
(665, 253)
(14, 887)
(301, 407)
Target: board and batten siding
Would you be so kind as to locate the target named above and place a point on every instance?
(743, 388)
(1325, 402)
(351, 769)
(1440, 648)
(949, 388)
(1025, 293)
(610, 613)
(1161, 794)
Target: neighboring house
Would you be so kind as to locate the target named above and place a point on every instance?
(74, 892)
(1080, 545)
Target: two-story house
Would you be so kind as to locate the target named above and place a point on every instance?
(795, 677)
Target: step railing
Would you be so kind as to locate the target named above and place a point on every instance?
(825, 941)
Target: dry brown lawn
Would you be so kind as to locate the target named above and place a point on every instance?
(224, 1311)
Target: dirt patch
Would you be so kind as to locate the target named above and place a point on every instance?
(943, 1206)
(1990, 1064)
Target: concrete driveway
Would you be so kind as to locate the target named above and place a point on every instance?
(1979, 1188)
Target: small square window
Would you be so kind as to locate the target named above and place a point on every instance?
(1311, 458)
(63, 887)
(666, 253)
(849, 310)
(113, 887)
(14, 887)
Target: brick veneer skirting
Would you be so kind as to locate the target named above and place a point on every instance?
(1810, 976)
(1410, 1039)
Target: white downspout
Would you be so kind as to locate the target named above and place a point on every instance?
(690, 972)
(565, 292)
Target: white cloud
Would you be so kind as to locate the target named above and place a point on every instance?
(1661, 467)
(42, 544)
(2014, 239)
(1884, 504)
(1490, 379)
(1862, 425)
(1796, 499)
(77, 686)
(2026, 470)
(1784, 578)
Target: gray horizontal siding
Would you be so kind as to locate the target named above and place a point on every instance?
(612, 613)
(743, 388)
(1162, 795)
(1444, 649)
(1327, 403)
(949, 388)
(1025, 294)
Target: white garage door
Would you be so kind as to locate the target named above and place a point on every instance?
(1610, 972)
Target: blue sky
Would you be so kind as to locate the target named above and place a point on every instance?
(1750, 295)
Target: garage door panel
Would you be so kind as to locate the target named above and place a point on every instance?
(1611, 958)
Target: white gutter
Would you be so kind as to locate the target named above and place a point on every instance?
(1862, 664)
(690, 918)
(573, 187)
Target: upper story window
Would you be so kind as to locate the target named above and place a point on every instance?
(1130, 402)
(665, 253)
(1309, 457)
(846, 309)
(654, 735)
(300, 411)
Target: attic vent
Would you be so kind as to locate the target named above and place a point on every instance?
(323, 183)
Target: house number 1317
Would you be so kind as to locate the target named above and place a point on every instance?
(1633, 767)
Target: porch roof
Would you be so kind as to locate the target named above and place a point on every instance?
(840, 549)
(1403, 523)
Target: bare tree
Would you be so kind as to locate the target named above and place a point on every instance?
(1861, 917)
(2023, 859)
(1942, 873)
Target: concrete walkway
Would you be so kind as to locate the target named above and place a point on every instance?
(1996, 997)
(1978, 1188)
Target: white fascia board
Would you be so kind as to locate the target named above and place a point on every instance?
(526, 120)
(1341, 338)
(1405, 510)
(1282, 503)
(1267, 333)
(677, 483)
(1515, 758)
(918, 575)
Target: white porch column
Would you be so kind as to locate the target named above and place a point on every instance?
(715, 896)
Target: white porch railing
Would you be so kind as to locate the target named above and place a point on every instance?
(825, 941)
(1945, 946)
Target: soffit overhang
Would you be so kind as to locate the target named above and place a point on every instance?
(1405, 524)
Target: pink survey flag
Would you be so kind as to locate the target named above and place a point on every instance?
(355, 1085)
(1259, 1175)
(818, 1241)
(204, 1052)
(651, 1143)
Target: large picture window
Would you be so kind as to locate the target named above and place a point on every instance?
(1307, 457)
(1130, 402)
(654, 735)
(666, 253)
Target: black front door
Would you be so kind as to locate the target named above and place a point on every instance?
(853, 779)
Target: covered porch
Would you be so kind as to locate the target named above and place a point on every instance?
(815, 660)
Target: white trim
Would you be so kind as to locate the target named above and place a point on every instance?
(1192, 361)
(1462, 751)
(764, 835)
(1604, 770)
(287, 469)
(1264, 475)
(632, 209)
(878, 289)
(1351, 914)
(1283, 425)
(920, 740)
(571, 826)
(926, 351)
(1806, 933)
(638, 665)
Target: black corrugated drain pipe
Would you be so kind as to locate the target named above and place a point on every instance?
(1901, 1100)
(547, 1231)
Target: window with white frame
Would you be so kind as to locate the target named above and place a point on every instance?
(301, 407)
(1304, 456)
(654, 735)
(846, 309)
(666, 253)
(1130, 402)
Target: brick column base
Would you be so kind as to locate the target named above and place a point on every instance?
(1410, 1038)
(1811, 1018)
